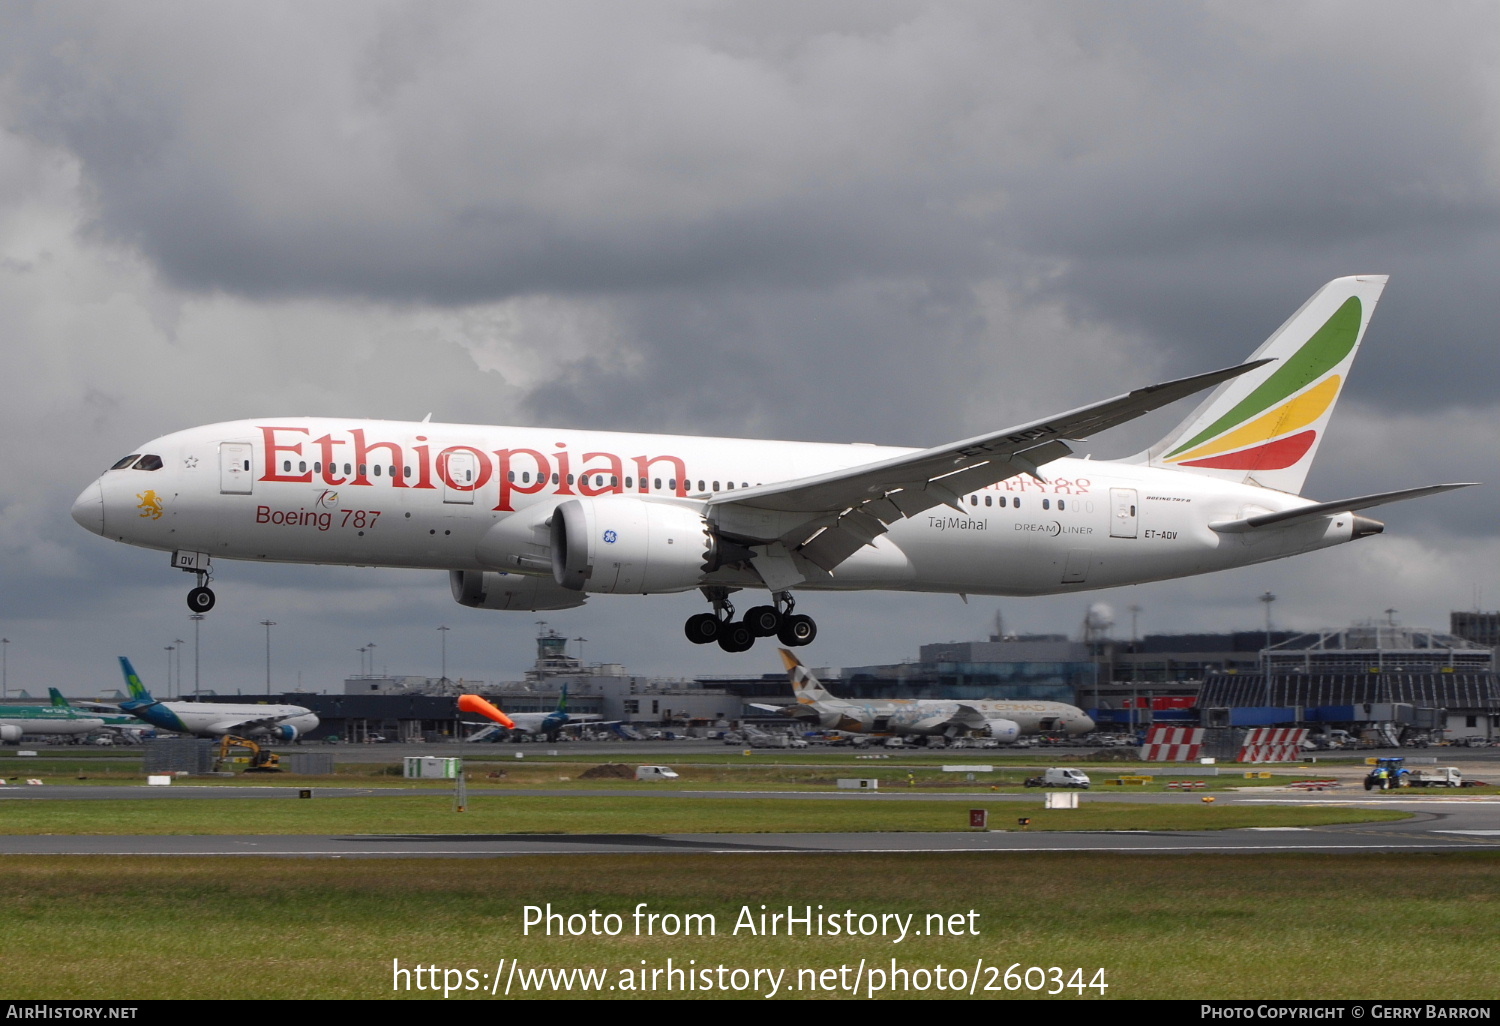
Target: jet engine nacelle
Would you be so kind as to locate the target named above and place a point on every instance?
(1004, 731)
(283, 733)
(487, 590)
(621, 545)
(10, 732)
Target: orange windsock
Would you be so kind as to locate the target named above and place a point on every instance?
(475, 704)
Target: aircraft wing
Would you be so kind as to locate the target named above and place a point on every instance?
(813, 524)
(246, 726)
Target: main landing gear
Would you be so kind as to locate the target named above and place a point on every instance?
(201, 598)
(792, 629)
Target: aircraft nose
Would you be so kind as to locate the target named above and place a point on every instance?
(88, 508)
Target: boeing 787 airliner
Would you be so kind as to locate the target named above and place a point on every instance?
(536, 518)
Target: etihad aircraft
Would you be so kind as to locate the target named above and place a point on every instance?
(215, 719)
(548, 723)
(537, 518)
(1001, 719)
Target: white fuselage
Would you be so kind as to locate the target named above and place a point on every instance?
(211, 719)
(46, 719)
(382, 493)
(923, 716)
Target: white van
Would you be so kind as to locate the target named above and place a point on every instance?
(1058, 776)
(655, 773)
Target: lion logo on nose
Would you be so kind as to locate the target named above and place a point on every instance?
(150, 505)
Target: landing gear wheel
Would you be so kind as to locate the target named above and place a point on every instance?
(703, 628)
(797, 630)
(200, 600)
(763, 621)
(736, 637)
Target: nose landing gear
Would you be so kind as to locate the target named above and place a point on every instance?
(200, 599)
(791, 629)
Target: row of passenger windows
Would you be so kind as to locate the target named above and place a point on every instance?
(136, 461)
(526, 476)
(378, 470)
(1015, 502)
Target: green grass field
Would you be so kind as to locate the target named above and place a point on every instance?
(1222, 926)
(425, 813)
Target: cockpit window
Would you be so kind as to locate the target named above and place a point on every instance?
(127, 461)
(149, 462)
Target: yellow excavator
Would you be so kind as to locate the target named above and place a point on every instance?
(261, 760)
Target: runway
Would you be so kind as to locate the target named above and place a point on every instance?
(1446, 822)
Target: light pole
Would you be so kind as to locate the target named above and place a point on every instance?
(580, 651)
(443, 633)
(179, 643)
(197, 619)
(169, 670)
(4, 667)
(361, 651)
(370, 647)
(268, 624)
(1265, 658)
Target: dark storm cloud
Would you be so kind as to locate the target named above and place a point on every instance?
(460, 153)
(1362, 141)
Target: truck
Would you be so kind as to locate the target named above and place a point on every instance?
(1438, 776)
(1059, 776)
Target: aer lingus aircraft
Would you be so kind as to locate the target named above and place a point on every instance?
(215, 719)
(999, 718)
(547, 723)
(56, 718)
(534, 518)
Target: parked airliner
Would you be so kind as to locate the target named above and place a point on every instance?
(56, 718)
(215, 719)
(999, 718)
(546, 723)
(533, 518)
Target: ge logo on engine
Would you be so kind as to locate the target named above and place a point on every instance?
(610, 536)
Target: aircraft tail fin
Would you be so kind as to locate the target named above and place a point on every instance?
(138, 693)
(58, 701)
(1264, 427)
(562, 701)
(804, 685)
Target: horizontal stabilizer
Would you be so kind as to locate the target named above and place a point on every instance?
(1302, 514)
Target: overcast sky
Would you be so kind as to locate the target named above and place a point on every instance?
(871, 221)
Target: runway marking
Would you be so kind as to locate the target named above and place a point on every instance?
(1475, 833)
(1477, 800)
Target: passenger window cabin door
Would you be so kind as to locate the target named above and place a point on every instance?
(235, 475)
(1124, 515)
(458, 482)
